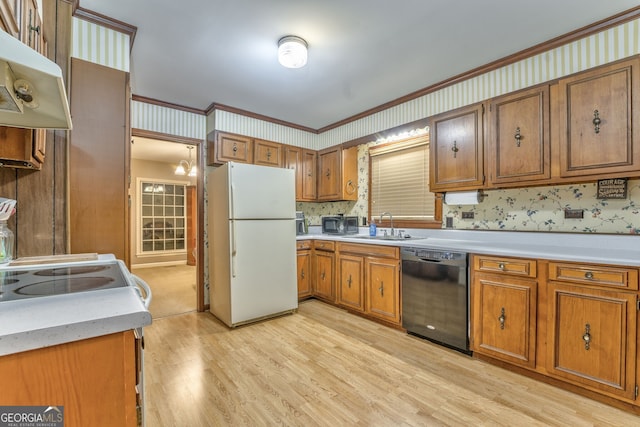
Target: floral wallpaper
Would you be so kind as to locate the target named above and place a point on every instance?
(521, 209)
(542, 209)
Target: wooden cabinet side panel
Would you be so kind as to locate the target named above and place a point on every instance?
(93, 379)
(98, 164)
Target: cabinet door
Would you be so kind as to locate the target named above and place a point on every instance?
(519, 143)
(267, 153)
(382, 289)
(329, 174)
(323, 287)
(11, 16)
(304, 273)
(455, 154)
(31, 33)
(309, 175)
(232, 148)
(504, 318)
(293, 160)
(592, 338)
(598, 122)
(351, 281)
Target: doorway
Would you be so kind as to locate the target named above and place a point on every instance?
(166, 217)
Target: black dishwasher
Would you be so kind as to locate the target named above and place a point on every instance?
(435, 296)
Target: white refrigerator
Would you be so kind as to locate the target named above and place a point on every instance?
(252, 242)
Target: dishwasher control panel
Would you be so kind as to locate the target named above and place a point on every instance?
(433, 254)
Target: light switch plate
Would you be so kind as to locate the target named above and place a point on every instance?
(574, 213)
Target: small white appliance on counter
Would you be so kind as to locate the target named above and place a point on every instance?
(252, 242)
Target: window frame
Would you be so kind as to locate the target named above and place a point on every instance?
(404, 223)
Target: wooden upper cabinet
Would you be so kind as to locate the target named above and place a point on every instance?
(31, 33)
(11, 16)
(303, 161)
(227, 147)
(518, 142)
(268, 153)
(338, 174)
(599, 124)
(456, 151)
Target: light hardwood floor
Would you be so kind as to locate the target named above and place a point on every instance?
(173, 288)
(322, 366)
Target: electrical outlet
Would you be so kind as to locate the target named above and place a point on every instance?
(468, 215)
(449, 222)
(574, 214)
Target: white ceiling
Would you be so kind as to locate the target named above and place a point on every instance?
(160, 151)
(362, 53)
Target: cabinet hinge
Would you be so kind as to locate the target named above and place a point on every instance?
(636, 396)
(637, 304)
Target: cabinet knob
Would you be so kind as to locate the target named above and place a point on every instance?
(302, 273)
(322, 275)
(587, 336)
(268, 154)
(455, 149)
(501, 266)
(596, 121)
(328, 174)
(518, 137)
(235, 148)
(502, 318)
(588, 275)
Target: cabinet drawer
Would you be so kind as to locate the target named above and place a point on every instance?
(324, 245)
(515, 266)
(303, 244)
(371, 250)
(613, 277)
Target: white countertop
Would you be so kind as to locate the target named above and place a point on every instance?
(594, 248)
(28, 324)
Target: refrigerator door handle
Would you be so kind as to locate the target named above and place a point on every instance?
(233, 248)
(233, 231)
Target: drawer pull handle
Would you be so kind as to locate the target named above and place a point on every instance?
(518, 137)
(587, 336)
(235, 149)
(381, 288)
(588, 275)
(349, 281)
(322, 275)
(302, 273)
(268, 154)
(501, 266)
(502, 318)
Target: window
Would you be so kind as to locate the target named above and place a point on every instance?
(399, 182)
(163, 217)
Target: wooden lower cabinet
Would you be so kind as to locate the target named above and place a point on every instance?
(351, 282)
(504, 309)
(303, 261)
(323, 267)
(369, 280)
(592, 338)
(574, 323)
(94, 380)
(383, 288)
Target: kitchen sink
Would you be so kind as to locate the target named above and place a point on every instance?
(391, 238)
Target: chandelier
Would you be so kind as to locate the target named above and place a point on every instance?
(187, 167)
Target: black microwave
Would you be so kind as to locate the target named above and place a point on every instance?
(340, 224)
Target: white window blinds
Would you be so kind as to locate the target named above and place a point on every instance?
(400, 180)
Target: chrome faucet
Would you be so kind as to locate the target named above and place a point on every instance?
(390, 218)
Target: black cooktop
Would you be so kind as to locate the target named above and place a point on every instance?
(42, 281)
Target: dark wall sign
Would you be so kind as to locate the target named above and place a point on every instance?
(612, 188)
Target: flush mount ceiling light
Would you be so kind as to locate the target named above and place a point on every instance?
(292, 52)
(187, 167)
